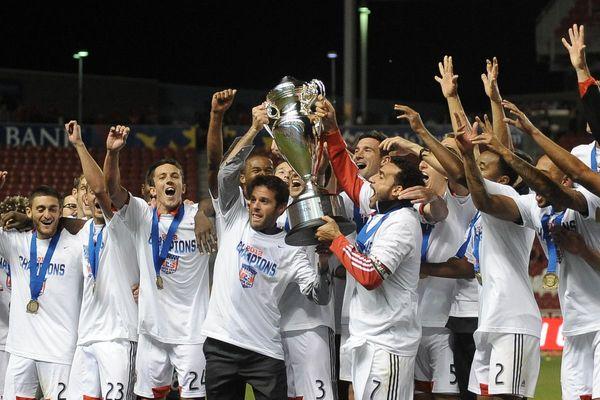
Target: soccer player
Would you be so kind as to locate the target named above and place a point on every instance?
(589, 93)
(384, 324)
(70, 206)
(79, 190)
(435, 375)
(103, 364)
(307, 329)
(507, 354)
(173, 292)
(18, 204)
(253, 268)
(556, 211)
(46, 285)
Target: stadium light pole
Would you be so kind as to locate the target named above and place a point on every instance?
(79, 56)
(363, 13)
(332, 55)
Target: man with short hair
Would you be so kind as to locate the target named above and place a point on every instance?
(70, 206)
(173, 292)
(384, 323)
(79, 189)
(46, 294)
(254, 266)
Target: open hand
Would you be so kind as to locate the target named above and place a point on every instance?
(487, 137)
(576, 47)
(490, 80)
(447, 80)
(397, 143)
(413, 118)
(521, 121)
(466, 133)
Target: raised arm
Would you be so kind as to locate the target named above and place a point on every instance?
(565, 161)
(259, 119)
(221, 101)
(91, 170)
(490, 84)
(499, 206)
(346, 172)
(452, 165)
(557, 194)
(114, 143)
(449, 85)
(588, 89)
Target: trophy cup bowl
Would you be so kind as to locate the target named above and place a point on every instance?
(300, 141)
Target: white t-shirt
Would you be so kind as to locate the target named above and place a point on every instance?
(584, 153)
(506, 302)
(175, 313)
(388, 315)
(108, 310)
(50, 334)
(252, 271)
(4, 300)
(578, 281)
(436, 295)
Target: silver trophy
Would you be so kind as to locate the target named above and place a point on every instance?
(300, 140)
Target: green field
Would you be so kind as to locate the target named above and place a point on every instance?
(548, 387)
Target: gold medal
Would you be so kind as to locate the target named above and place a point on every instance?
(33, 306)
(159, 282)
(550, 281)
(478, 277)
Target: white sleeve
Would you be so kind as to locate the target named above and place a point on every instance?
(395, 241)
(593, 204)
(135, 212)
(529, 210)
(5, 243)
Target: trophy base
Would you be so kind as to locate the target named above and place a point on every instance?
(305, 218)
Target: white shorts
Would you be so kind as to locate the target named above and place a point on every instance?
(24, 375)
(4, 357)
(505, 363)
(310, 363)
(103, 370)
(434, 366)
(580, 368)
(345, 359)
(156, 361)
(379, 375)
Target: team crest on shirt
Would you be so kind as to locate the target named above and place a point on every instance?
(170, 264)
(247, 275)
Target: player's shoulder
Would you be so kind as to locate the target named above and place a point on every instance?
(499, 188)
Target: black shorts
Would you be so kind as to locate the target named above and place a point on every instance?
(229, 368)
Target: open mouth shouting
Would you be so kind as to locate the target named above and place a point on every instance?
(170, 191)
(361, 165)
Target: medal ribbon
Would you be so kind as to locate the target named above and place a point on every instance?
(160, 255)
(94, 250)
(463, 247)
(37, 275)
(426, 230)
(548, 221)
(365, 233)
(594, 159)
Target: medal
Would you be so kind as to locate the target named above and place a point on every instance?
(37, 272)
(159, 253)
(550, 281)
(478, 277)
(33, 306)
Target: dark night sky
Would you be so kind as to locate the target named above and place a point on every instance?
(252, 44)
